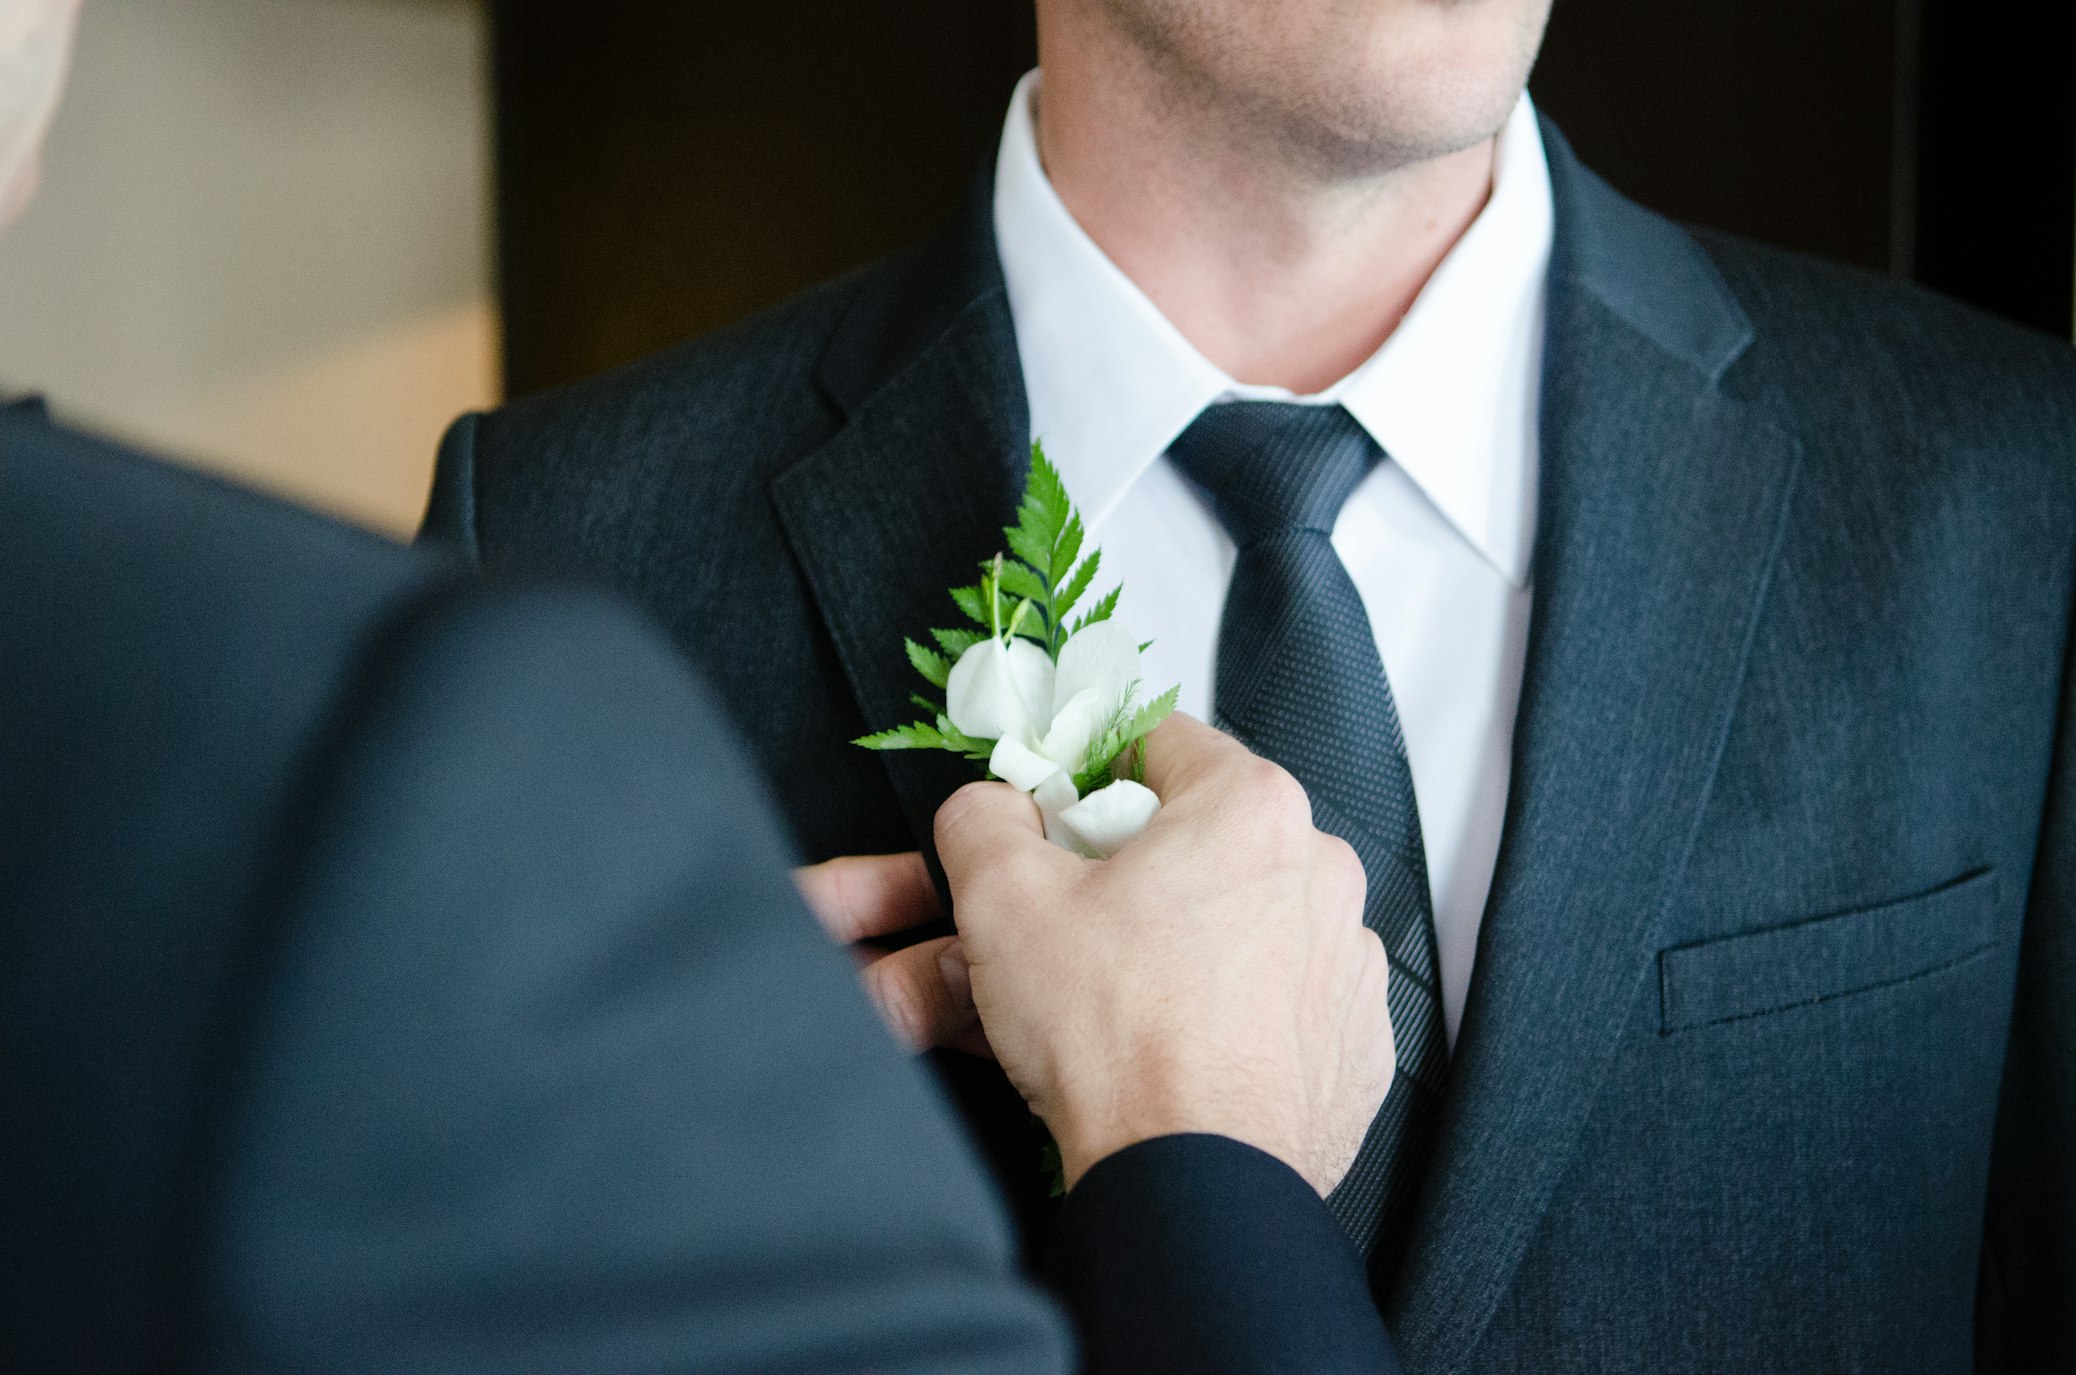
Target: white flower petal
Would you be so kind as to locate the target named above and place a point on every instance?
(1104, 659)
(1109, 818)
(1074, 727)
(999, 690)
(1054, 797)
(1020, 766)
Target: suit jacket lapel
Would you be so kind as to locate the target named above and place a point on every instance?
(912, 493)
(1663, 505)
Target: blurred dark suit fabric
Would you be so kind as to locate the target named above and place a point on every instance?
(401, 973)
(1769, 1060)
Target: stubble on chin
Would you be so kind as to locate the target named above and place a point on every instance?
(1323, 114)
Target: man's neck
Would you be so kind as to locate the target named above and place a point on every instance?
(1280, 273)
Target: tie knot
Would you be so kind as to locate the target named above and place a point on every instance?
(1274, 466)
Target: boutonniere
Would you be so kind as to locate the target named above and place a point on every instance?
(1048, 700)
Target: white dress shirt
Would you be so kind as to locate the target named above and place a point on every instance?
(1437, 539)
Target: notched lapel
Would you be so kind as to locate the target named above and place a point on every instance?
(1663, 506)
(903, 504)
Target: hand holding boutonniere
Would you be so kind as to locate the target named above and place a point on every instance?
(1051, 706)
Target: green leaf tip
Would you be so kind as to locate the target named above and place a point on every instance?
(933, 666)
(1104, 608)
(915, 736)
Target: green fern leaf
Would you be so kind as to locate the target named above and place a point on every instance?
(1045, 508)
(1148, 718)
(1028, 546)
(972, 602)
(935, 670)
(1067, 549)
(956, 739)
(1070, 592)
(1100, 612)
(915, 736)
(957, 642)
(1020, 581)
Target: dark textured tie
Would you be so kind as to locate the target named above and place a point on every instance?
(1300, 681)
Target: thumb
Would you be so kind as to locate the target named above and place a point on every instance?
(983, 824)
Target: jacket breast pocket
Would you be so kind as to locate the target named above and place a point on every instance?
(1783, 967)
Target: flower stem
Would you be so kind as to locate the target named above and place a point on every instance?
(995, 599)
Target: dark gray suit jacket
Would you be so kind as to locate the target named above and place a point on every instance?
(401, 974)
(1769, 1061)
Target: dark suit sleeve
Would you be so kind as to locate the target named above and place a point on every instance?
(1197, 1253)
(554, 1072)
(450, 515)
(2026, 1310)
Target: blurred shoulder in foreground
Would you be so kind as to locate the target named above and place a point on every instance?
(399, 971)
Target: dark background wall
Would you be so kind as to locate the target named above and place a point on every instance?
(1933, 139)
(667, 167)
(1776, 120)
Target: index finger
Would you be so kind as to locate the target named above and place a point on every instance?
(859, 896)
(1183, 750)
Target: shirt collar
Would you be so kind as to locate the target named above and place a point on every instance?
(1451, 396)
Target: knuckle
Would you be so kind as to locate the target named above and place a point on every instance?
(1376, 975)
(1255, 772)
(1343, 868)
(1281, 796)
(1378, 962)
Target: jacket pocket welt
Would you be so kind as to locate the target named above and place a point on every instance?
(1813, 961)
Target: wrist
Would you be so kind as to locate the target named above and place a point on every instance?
(1085, 1139)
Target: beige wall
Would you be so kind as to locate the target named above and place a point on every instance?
(263, 242)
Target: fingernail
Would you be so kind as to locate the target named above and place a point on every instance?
(958, 979)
